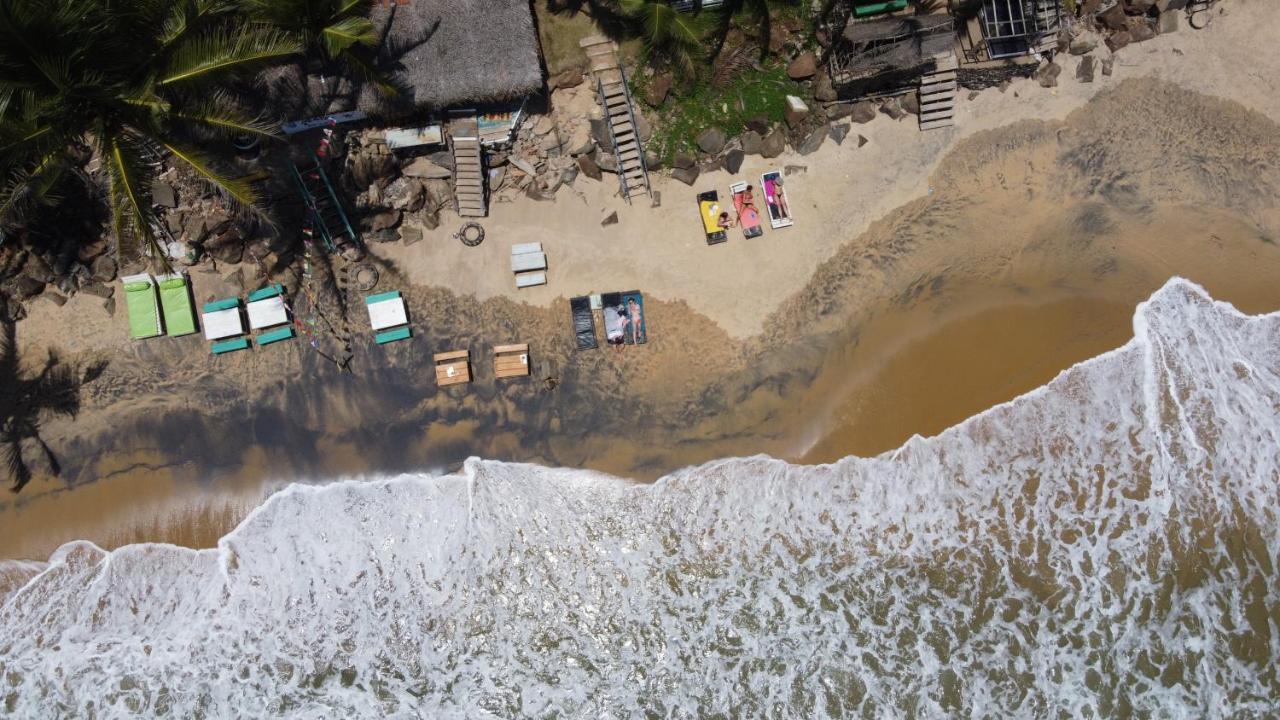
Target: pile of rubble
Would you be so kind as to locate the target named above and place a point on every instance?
(1114, 24)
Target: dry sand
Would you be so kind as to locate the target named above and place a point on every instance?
(808, 343)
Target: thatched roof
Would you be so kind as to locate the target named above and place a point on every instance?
(458, 52)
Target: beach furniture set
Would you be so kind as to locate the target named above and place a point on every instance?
(529, 264)
(158, 306)
(389, 318)
(268, 317)
(621, 315)
(746, 211)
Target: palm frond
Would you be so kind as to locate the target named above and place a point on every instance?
(226, 50)
(129, 188)
(11, 458)
(219, 113)
(238, 190)
(347, 32)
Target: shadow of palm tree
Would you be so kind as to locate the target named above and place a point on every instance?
(27, 398)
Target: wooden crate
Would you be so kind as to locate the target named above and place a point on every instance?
(511, 360)
(453, 368)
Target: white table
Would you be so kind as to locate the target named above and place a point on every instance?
(528, 261)
(222, 324)
(387, 313)
(268, 312)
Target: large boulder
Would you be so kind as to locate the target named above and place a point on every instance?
(1114, 17)
(580, 141)
(688, 175)
(1086, 69)
(404, 194)
(863, 112)
(1047, 74)
(823, 89)
(752, 142)
(803, 67)
(659, 87)
(712, 140)
(683, 160)
(733, 161)
(588, 167)
(814, 140)
(774, 143)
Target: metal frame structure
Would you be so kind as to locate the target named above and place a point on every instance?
(1009, 26)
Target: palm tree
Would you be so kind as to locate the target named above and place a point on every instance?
(128, 81)
(25, 399)
(758, 13)
(670, 37)
(331, 32)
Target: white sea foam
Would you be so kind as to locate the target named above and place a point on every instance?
(1104, 546)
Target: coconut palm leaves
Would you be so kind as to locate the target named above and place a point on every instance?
(124, 81)
(670, 37)
(25, 399)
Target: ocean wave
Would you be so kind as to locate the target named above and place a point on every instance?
(1104, 546)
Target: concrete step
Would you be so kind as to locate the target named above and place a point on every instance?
(934, 124)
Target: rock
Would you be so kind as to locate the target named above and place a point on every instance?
(54, 298)
(227, 247)
(23, 287)
(37, 269)
(1114, 18)
(550, 144)
(683, 160)
(652, 161)
(893, 108)
(410, 234)
(496, 177)
(1082, 45)
(569, 175)
(758, 124)
(608, 162)
(1168, 22)
(610, 219)
(1004, 85)
(385, 235)
(644, 131)
(580, 141)
(973, 95)
(589, 167)
(774, 143)
(1119, 40)
(430, 221)
(751, 142)
(1107, 65)
(910, 103)
(1085, 70)
(173, 221)
(110, 306)
(1047, 74)
(1141, 32)
(659, 87)
(823, 89)
(544, 125)
(163, 194)
(571, 77)
(436, 194)
(93, 249)
(366, 168)
(839, 111)
(600, 133)
(524, 166)
(533, 193)
(404, 194)
(383, 220)
(733, 161)
(863, 112)
(803, 67)
(839, 132)
(688, 175)
(711, 141)
(98, 290)
(862, 140)
(795, 111)
(814, 140)
(235, 279)
(1139, 7)
(216, 222)
(423, 168)
(104, 268)
(790, 170)
(196, 229)
(710, 166)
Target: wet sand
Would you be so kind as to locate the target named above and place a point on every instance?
(1029, 255)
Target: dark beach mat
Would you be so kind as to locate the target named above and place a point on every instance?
(584, 325)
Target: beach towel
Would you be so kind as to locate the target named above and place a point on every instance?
(637, 332)
(744, 205)
(775, 196)
(141, 305)
(175, 298)
(584, 324)
(709, 209)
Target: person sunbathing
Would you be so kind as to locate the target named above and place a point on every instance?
(724, 222)
(637, 320)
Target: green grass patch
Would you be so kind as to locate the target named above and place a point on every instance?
(689, 111)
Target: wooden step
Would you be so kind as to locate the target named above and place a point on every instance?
(935, 124)
(938, 77)
(937, 101)
(938, 115)
(949, 87)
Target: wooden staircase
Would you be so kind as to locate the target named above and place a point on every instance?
(615, 99)
(1048, 23)
(938, 93)
(468, 166)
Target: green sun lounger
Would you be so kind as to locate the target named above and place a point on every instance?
(175, 299)
(143, 310)
(226, 346)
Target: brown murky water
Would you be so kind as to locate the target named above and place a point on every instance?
(1029, 256)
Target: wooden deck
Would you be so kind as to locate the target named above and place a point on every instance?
(511, 360)
(453, 368)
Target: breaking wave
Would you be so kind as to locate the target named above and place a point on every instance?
(1104, 546)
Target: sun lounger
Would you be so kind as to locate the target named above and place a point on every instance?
(745, 207)
(453, 368)
(388, 317)
(143, 309)
(511, 360)
(175, 300)
(775, 197)
(222, 319)
(530, 279)
(274, 336)
(709, 208)
(226, 346)
(584, 323)
(266, 309)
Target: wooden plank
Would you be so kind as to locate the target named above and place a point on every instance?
(936, 114)
(935, 89)
(529, 279)
(528, 261)
(933, 124)
(461, 374)
(516, 348)
(451, 355)
(937, 77)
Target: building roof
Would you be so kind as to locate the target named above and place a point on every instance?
(453, 52)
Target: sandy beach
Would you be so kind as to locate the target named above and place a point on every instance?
(928, 276)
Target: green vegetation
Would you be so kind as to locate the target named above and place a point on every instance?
(754, 92)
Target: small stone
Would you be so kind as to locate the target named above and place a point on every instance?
(862, 140)
(383, 220)
(1047, 74)
(803, 67)
(751, 142)
(683, 160)
(863, 112)
(656, 197)
(839, 132)
(1005, 84)
(893, 109)
(1085, 70)
(712, 140)
(1119, 40)
(688, 175)
(1141, 32)
(610, 219)
(104, 268)
(733, 161)
(910, 103)
(54, 298)
(774, 143)
(1082, 45)
(651, 160)
(814, 140)
(1107, 66)
(823, 89)
(98, 290)
(758, 124)
(973, 95)
(110, 306)
(163, 194)
(790, 170)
